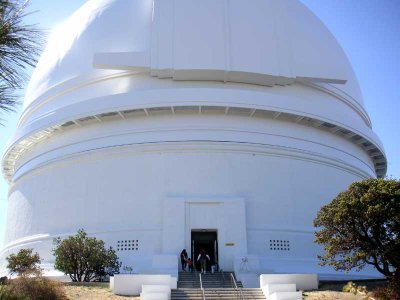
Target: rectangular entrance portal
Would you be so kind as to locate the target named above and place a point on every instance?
(205, 239)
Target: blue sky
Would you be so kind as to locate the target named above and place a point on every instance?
(368, 30)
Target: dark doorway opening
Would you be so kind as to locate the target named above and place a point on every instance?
(205, 239)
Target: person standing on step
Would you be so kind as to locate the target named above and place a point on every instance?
(203, 256)
(184, 257)
(190, 264)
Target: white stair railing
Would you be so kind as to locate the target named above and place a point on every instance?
(202, 289)
(238, 290)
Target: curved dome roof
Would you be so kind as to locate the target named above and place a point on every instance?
(270, 42)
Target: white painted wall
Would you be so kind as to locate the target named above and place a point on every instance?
(124, 194)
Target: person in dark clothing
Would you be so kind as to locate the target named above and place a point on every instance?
(184, 257)
(190, 264)
(203, 256)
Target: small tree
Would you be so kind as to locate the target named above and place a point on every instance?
(84, 258)
(361, 226)
(24, 263)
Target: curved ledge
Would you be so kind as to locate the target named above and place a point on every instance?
(41, 130)
(226, 146)
(65, 87)
(342, 96)
(79, 82)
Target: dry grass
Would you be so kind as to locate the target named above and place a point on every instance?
(75, 292)
(331, 295)
(33, 288)
(333, 290)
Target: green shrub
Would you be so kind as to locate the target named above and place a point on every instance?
(351, 287)
(84, 258)
(24, 263)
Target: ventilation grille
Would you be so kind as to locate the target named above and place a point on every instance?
(279, 245)
(128, 245)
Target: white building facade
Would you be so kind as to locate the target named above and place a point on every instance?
(170, 124)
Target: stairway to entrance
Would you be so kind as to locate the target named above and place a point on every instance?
(209, 280)
(219, 285)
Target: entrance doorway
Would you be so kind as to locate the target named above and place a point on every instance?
(205, 239)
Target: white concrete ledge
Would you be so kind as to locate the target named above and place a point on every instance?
(302, 281)
(155, 292)
(154, 296)
(131, 284)
(286, 296)
(269, 289)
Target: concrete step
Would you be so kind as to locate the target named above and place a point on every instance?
(209, 280)
(217, 293)
(286, 296)
(216, 286)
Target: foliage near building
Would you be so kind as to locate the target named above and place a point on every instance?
(84, 258)
(20, 45)
(25, 263)
(361, 226)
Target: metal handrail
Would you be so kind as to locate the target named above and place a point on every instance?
(239, 290)
(234, 281)
(201, 287)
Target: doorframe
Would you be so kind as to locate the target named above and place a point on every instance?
(215, 244)
(177, 223)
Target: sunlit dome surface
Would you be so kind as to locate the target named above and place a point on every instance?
(277, 43)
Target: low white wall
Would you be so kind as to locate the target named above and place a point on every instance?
(286, 296)
(154, 296)
(156, 288)
(269, 289)
(131, 284)
(155, 291)
(112, 283)
(174, 282)
(302, 281)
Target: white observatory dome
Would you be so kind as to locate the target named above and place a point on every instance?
(157, 120)
(211, 40)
